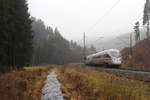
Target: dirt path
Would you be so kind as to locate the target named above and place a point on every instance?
(51, 90)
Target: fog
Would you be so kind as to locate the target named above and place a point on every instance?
(94, 17)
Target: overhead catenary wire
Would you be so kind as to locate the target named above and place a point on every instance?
(105, 14)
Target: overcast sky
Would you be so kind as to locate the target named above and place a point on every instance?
(73, 17)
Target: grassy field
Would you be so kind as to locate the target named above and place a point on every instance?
(81, 83)
(78, 83)
(24, 84)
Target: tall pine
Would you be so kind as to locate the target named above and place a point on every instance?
(146, 16)
(146, 12)
(15, 33)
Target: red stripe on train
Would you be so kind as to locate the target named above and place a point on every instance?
(102, 60)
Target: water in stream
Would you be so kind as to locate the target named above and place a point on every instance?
(51, 90)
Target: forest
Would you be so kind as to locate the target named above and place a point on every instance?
(51, 48)
(25, 40)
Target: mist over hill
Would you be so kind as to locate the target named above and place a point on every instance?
(113, 42)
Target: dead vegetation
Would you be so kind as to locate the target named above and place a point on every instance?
(78, 83)
(24, 84)
(88, 84)
(140, 58)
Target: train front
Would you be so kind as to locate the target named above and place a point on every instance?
(116, 57)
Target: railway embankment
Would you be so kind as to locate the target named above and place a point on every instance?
(85, 83)
(128, 73)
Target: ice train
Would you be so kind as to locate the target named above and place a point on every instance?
(111, 57)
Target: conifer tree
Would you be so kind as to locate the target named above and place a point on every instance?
(16, 35)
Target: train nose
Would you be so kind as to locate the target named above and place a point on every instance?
(117, 60)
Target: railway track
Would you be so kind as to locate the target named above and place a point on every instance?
(130, 70)
(135, 70)
(123, 69)
(141, 75)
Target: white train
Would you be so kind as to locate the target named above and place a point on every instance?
(111, 57)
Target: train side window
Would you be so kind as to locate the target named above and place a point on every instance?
(99, 56)
(107, 56)
(96, 57)
(102, 56)
(85, 58)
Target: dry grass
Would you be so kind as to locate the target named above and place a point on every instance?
(78, 83)
(24, 84)
(88, 84)
(33, 68)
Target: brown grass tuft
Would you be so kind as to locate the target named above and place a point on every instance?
(23, 84)
(88, 84)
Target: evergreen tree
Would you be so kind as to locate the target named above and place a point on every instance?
(146, 16)
(16, 35)
(137, 32)
(146, 12)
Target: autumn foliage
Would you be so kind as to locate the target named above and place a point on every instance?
(140, 57)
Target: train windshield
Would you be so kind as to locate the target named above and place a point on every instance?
(115, 54)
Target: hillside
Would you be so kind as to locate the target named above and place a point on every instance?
(119, 42)
(140, 57)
